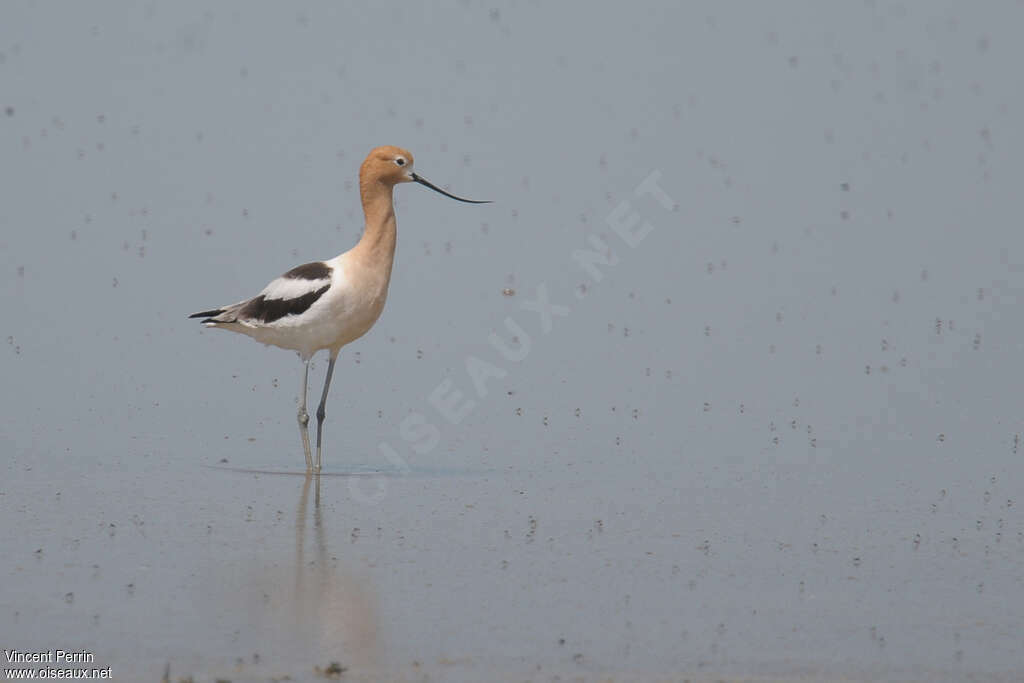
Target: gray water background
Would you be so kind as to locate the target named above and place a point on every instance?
(780, 438)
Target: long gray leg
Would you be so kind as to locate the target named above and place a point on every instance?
(321, 412)
(303, 417)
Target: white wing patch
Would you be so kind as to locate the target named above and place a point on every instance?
(287, 288)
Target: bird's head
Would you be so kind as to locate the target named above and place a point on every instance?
(390, 166)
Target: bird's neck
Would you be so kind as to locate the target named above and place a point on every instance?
(378, 241)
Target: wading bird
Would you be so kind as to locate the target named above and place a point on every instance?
(328, 304)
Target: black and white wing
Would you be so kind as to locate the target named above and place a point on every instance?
(291, 294)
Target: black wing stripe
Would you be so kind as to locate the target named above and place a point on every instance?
(318, 270)
(269, 310)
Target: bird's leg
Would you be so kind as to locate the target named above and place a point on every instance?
(303, 417)
(321, 412)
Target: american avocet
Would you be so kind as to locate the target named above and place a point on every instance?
(327, 304)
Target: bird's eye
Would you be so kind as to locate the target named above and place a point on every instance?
(400, 161)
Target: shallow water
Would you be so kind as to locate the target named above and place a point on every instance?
(774, 436)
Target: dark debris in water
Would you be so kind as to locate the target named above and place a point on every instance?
(332, 670)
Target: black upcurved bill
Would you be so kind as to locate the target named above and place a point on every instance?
(423, 181)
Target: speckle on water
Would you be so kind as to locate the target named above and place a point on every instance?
(334, 670)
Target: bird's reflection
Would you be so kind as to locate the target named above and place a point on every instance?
(298, 606)
(327, 598)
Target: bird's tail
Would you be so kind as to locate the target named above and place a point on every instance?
(227, 314)
(208, 314)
